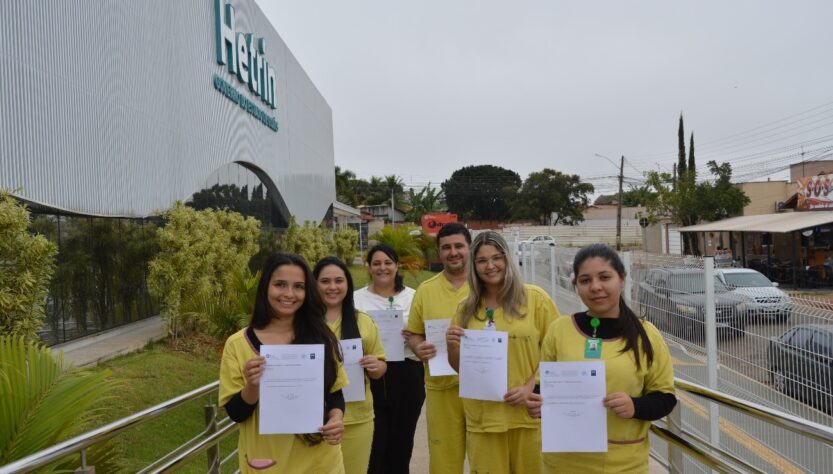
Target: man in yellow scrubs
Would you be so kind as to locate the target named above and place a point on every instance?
(437, 298)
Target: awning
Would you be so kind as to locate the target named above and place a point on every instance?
(776, 223)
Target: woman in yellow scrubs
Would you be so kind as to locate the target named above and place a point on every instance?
(336, 288)
(288, 310)
(501, 437)
(638, 370)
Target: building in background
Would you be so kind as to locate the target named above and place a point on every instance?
(112, 112)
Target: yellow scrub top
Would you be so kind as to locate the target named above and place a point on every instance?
(525, 337)
(289, 452)
(436, 298)
(627, 438)
(360, 412)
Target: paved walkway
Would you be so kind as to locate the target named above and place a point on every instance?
(133, 337)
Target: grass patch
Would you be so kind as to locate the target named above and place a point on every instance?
(158, 373)
(361, 278)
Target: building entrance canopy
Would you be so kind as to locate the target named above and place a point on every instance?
(772, 223)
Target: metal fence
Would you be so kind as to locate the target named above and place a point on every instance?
(731, 331)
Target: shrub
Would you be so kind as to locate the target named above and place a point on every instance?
(404, 241)
(199, 252)
(43, 402)
(27, 263)
(344, 244)
(310, 241)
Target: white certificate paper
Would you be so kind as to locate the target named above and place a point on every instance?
(352, 351)
(573, 418)
(390, 323)
(435, 334)
(292, 389)
(484, 359)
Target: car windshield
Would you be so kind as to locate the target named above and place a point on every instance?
(695, 283)
(747, 280)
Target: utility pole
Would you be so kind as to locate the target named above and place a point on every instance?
(619, 206)
(392, 211)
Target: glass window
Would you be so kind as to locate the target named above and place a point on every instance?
(747, 280)
(823, 343)
(801, 338)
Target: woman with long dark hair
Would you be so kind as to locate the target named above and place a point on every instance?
(336, 288)
(288, 310)
(638, 370)
(501, 437)
(398, 396)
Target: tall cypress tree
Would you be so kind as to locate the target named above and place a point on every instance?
(692, 168)
(681, 165)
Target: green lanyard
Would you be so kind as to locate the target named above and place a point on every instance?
(390, 302)
(490, 316)
(593, 345)
(595, 323)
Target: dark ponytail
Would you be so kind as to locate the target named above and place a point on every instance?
(632, 329)
(398, 281)
(349, 323)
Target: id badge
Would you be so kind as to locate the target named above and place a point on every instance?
(593, 348)
(491, 326)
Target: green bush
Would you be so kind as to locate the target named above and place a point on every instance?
(199, 253)
(310, 241)
(345, 243)
(42, 403)
(27, 263)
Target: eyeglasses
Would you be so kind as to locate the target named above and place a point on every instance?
(495, 259)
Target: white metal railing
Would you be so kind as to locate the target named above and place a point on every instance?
(725, 343)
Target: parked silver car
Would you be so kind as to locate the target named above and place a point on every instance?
(764, 299)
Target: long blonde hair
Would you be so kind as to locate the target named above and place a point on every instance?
(511, 295)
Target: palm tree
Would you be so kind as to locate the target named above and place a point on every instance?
(43, 402)
(404, 242)
(426, 201)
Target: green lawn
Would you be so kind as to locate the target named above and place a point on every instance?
(152, 376)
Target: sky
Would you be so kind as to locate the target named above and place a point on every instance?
(422, 88)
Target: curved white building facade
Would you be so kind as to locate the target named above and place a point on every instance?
(121, 108)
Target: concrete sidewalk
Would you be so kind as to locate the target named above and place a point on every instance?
(133, 337)
(112, 343)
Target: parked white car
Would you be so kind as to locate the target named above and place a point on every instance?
(764, 299)
(533, 245)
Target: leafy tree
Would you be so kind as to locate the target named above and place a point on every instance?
(637, 196)
(357, 192)
(692, 202)
(426, 201)
(42, 402)
(547, 191)
(481, 192)
(681, 164)
(27, 263)
(199, 253)
(692, 167)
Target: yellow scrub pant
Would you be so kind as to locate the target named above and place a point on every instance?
(355, 447)
(517, 450)
(446, 431)
(627, 458)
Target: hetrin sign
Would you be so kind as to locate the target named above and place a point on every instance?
(244, 54)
